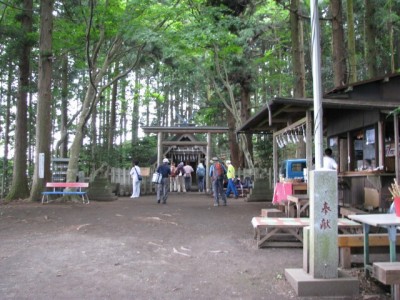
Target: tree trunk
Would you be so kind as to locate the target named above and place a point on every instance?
(244, 116)
(7, 124)
(370, 34)
(233, 143)
(93, 138)
(391, 37)
(43, 119)
(19, 187)
(296, 29)
(339, 55)
(135, 111)
(64, 108)
(79, 134)
(123, 119)
(230, 104)
(351, 43)
(112, 123)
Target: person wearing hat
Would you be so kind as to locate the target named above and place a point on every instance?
(230, 174)
(163, 187)
(217, 173)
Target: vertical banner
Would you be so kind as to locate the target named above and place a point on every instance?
(41, 165)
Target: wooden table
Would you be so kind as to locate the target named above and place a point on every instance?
(388, 221)
(301, 201)
(283, 189)
(289, 228)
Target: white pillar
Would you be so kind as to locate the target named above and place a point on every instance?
(159, 149)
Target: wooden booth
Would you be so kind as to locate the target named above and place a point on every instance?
(359, 126)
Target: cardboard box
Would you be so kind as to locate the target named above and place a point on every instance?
(371, 198)
(390, 163)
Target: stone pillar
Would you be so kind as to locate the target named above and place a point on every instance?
(323, 224)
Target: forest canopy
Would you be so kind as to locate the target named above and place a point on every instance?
(80, 78)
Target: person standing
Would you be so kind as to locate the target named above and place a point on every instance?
(188, 176)
(200, 173)
(231, 180)
(209, 174)
(163, 187)
(217, 173)
(328, 162)
(173, 179)
(179, 180)
(135, 175)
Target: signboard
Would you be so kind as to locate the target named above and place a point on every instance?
(145, 171)
(41, 165)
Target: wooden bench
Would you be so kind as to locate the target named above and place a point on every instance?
(348, 241)
(345, 211)
(59, 189)
(272, 213)
(287, 232)
(388, 273)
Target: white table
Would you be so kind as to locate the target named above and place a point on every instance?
(289, 227)
(388, 221)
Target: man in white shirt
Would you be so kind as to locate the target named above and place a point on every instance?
(329, 162)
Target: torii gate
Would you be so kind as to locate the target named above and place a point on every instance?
(188, 130)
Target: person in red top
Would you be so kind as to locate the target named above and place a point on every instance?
(173, 178)
(179, 178)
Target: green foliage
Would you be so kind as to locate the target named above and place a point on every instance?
(175, 43)
(263, 151)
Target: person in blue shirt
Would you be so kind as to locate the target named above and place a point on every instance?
(200, 172)
(163, 187)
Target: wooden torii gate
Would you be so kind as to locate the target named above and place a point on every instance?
(163, 132)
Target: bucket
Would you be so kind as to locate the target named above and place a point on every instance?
(157, 177)
(397, 206)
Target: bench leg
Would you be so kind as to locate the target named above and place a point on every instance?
(396, 291)
(345, 257)
(85, 199)
(43, 199)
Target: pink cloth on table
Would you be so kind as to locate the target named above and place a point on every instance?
(281, 191)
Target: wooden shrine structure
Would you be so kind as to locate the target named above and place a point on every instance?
(190, 144)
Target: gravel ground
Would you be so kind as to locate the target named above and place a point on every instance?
(138, 249)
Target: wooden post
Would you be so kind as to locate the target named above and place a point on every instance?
(380, 161)
(208, 158)
(396, 145)
(275, 158)
(159, 148)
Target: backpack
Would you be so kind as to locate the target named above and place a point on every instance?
(201, 172)
(218, 171)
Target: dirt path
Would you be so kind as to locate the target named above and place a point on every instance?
(138, 249)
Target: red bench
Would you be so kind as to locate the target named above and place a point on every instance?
(59, 189)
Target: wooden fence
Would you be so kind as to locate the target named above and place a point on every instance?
(123, 182)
